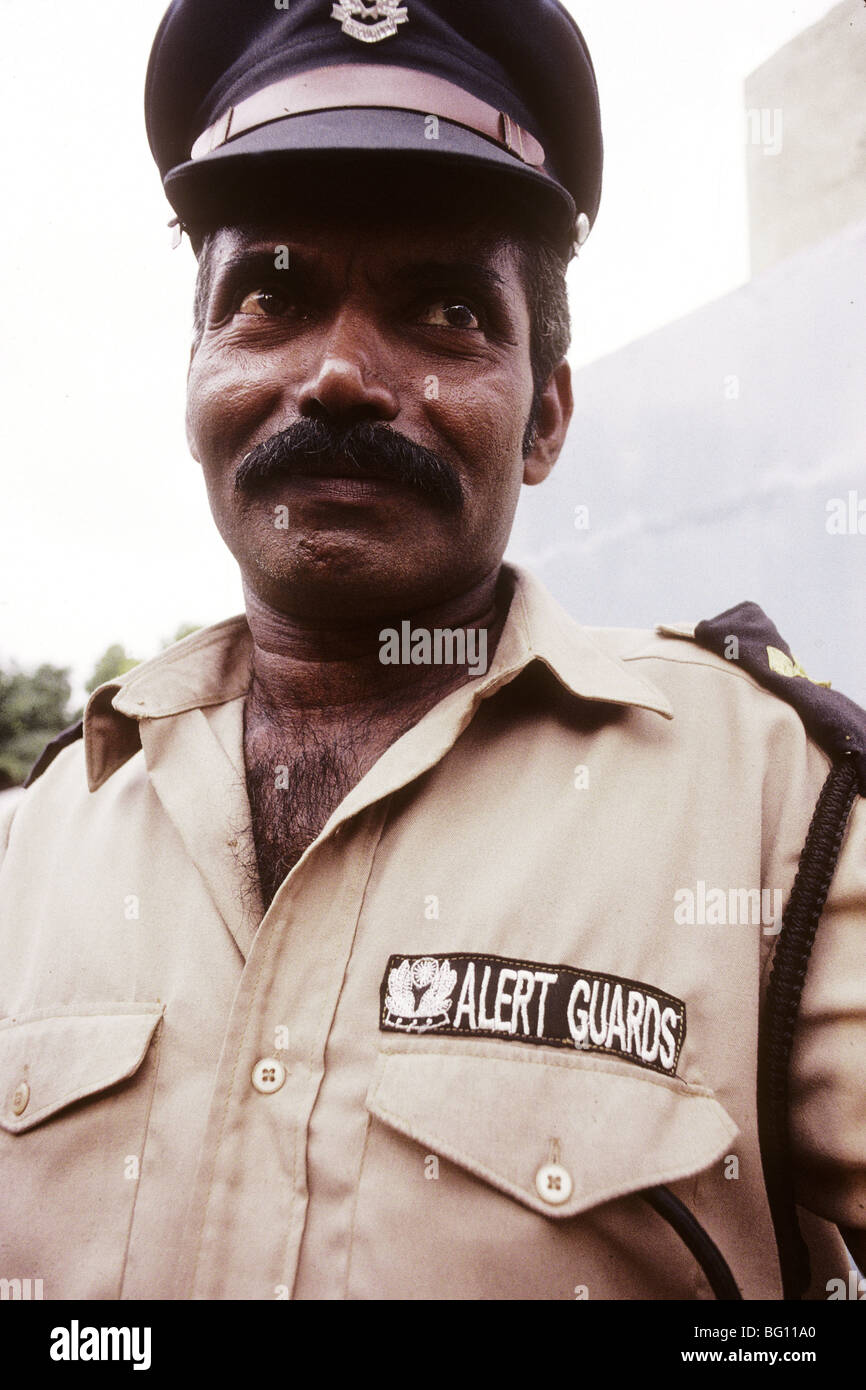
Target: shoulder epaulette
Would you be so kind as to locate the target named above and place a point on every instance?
(50, 751)
(746, 636)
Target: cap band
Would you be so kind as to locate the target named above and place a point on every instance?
(347, 85)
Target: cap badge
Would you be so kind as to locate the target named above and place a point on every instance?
(370, 23)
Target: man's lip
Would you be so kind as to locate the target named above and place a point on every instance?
(287, 479)
(335, 471)
(335, 468)
(353, 487)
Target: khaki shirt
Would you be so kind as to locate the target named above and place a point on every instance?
(325, 1102)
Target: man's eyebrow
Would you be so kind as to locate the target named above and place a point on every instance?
(252, 260)
(426, 272)
(261, 259)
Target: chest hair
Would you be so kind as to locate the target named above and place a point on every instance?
(298, 770)
(295, 780)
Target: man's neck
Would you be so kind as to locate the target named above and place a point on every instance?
(324, 706)
(336, 675)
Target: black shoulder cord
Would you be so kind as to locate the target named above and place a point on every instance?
(790, 963)
(50, 751)
(692, 1234)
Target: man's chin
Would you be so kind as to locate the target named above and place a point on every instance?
(334, 572)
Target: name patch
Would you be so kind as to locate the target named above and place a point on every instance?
(525, 1001)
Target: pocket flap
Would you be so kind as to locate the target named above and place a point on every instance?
(50, 1059)
(499, 1117)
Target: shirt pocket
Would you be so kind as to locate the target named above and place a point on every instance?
(75, 1090)
(454, 1199)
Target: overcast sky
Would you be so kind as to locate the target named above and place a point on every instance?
(105, 533)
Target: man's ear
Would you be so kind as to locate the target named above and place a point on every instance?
(190, 441)
(190, 438)
(554, 415)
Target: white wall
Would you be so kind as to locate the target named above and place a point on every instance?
(708, 454)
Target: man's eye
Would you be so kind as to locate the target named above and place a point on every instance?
(264, 303)
(445, 314)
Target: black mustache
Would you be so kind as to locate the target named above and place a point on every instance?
(313, 448)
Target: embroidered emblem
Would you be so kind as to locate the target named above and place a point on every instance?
(529, 1002)
(370, 22)
(785, 665)
(419, 995)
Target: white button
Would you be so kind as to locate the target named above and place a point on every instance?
(553, 1184)
(581, 228)
(20, 1098)
(268, 1075)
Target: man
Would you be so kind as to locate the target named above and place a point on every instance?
(372, 945)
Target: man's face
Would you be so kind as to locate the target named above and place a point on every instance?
(420, 328)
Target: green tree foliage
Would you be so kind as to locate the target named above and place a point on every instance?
(185, 630)
(113, 662)
(34, 707)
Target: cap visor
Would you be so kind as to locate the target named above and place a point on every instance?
(213, 189)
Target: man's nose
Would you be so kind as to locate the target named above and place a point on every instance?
(348, 378)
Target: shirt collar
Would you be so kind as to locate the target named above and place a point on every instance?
(213, 666)
(208, 668)
(538, 629)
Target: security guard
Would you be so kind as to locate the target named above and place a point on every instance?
(401, 938)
